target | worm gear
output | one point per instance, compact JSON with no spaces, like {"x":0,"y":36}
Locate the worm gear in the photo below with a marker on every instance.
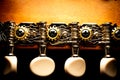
{"x":85,"y":33}
{"x":53,"y":33}
{"x":116,"y":33}
{"x":21,"y":33}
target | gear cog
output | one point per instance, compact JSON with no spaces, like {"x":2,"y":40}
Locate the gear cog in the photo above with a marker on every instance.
{"x":21,"y":33}
{"x":116,"y":33}
{"x":53,"y":33}
{"x":85,"y":33}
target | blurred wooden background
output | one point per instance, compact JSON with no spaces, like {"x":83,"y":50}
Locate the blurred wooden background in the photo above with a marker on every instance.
{"x":98,"y":11}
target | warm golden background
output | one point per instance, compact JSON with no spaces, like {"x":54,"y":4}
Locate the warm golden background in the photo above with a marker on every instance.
{"x":98,"y":11}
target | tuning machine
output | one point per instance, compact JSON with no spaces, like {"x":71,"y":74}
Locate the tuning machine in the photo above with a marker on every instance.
{"x":57,"y":31}
{"x":26,"y":32}
{"x":89,"y":33}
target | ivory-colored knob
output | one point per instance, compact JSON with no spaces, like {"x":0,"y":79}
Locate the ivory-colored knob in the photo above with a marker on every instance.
{"x":75,"y":66}
{"x":11,"y":64}
{"x":42,"y":66}
{"x":108,"y":67}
